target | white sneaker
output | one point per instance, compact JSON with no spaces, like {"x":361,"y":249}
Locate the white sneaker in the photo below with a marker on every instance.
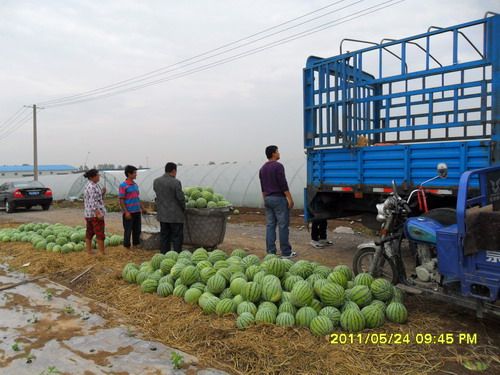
{"x":325,"y":242}
{"x":316,"y":244}
{"x":293,"y":254}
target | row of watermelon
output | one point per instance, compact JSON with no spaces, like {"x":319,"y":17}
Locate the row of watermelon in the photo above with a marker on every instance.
{"x":277,"y":291}
{"x":54,"y":237}
{"x":204,"y":197}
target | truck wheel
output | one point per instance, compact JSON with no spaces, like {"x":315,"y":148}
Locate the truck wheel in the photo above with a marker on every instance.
{"x":9,"y":207}
{"x":363,"y":259}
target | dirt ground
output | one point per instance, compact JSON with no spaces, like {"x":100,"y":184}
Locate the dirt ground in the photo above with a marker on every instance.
{"x":262,"y":349}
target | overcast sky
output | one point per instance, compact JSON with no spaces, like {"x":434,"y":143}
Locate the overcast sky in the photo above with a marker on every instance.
{"x":51,"y":49}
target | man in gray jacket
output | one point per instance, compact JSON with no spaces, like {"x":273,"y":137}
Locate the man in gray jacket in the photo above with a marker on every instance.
{"x":170,"y":205}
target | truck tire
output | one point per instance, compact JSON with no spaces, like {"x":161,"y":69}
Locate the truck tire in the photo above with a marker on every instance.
{"x":365,"y":256}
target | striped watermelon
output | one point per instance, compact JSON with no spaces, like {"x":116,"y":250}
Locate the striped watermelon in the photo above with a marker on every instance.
{"x":268,"y":305}
{"x":250,"y":260}
{"x":397,"y":295}
{"x":276,"y":267}
{"x":238,"y":299}
{"x":259,"y":276}
{"x":236,"y":268}
{"x":374,"y":316}
{"x":226,"y":293}
{"x":302,"y":268}
{"x":225,"y":306}
{"x":189,"y":275}
{"x":352,"y":320}
{"x":251,"y":271}
{"x":166,"y":265}
{"x":363,"y":278}
{"x":149,"y":286}
{"x":318,"y":285}
{"x":332,"y":295}
{"x":180,"y":290}
{"x":167,"y":279}
{"x":199,"y":255}
{"x":321,"y":270}
{"x":304,"y":316}
{"x":248,"y":307}
{"x":221,"y":264}
{"x":288,"y":263}
{"x":156,"y":260}
{"x":381,"y":305}
{"x":271,"y":288}
{"x":203,"y":264}
{"x":332,"y":313}
{"x":185,"y":254}
{"x":316,"y":305}
{"x":199,"y":286}
{"x":302,"y":294}
{"x":313,"y":278}
{"x":210,"y":304}
{"x":345,"y":270}
{"x":361,"y":295}
{"x":240,"y":253}
{"x":252,"y":291}
{"x":288,"y":308}
{"x":349,"y":305}
{"x":350,"y":284}
{"x":207,"y":273}
{"x":396,"y":312}
{"x":238,"y":275}
{"x":290,"y":282}
{"x":192,"y":295}
{"x":177,"y":269}
{"x":216,"y":255}
{"x":265,"y":316}
{"x":237,"y":285}
{"x":285,"y":319}
{"x":245,"y":320}
{"x":225,"y":273}
{"x":321,"y":326}
{"x":286,"y":297}
{"x":270,"y":256}
{"x":141,"y":276}
{"x":216,"y":284}
{"x":164,"y":289}
{"x":382,"y":289}
{"x":338,"y":277}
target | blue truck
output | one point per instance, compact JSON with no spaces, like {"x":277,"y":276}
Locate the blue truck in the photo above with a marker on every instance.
{"x":395,"y":109}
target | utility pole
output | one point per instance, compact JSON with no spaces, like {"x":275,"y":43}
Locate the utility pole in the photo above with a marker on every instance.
{"x":35,"y":146}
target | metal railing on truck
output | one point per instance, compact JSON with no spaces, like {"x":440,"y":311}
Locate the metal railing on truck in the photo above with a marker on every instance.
{"x":442,"y":85}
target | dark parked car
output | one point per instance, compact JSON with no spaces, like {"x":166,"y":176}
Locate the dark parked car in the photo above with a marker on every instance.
{"x":24,"y":194}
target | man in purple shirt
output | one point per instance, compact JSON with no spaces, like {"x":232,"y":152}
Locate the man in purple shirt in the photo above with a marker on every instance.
{"x":277,"y":201}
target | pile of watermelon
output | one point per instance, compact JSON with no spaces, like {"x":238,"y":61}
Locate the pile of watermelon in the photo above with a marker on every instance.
{"x":274,"y":291}
{"x":56,"y":237}
{"x":204,"y":197}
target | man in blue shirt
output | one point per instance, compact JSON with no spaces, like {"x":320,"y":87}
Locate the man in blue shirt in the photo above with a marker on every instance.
{"x":128,"y":194}
{"x":278,"y":202}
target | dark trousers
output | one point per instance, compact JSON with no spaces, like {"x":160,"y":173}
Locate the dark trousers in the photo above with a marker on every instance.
{"x":171,"y":233}
{"x":318,"y":230}
{"x":132,"y":227}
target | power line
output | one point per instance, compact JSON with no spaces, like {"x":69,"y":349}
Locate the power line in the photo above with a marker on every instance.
{"x":12,"y":118}
{"x":330,"y":24}
{"x":164,"y":70}
{"x":17,"y":126}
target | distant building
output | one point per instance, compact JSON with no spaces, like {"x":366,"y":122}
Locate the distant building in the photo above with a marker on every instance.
{"x":25,"y":170}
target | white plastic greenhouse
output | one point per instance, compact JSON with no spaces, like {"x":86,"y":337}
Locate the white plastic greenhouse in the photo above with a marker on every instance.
{"x":238,"y":182}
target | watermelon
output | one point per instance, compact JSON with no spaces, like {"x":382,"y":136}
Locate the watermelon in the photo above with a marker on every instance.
{"x":268,"y":305}
{"x":321,"y":326}
{"x":363,"y":279}
{"x":216,"y":284}
{"x":251,"y":291}
{"x":345,"y":270}
{"x":210,"y":305}
{"x":141,"y":276}
{"x":302,"y":294}
{"x":276,"y":267}
{"x":323,"y":271}
{"x":239,"y":253}
{"x":207,"y":273}
{"x":271,"y":288}
{"x":318,"y":285}
{"x":192,"y":295}
{"x":265,"y":316}
{"x":248,"y":307}
{"x":332,"y":295}
{"x":245,"y":320}
{"x":166,"y":265}
{"x":381,"y":305}
{"x":226,"y":293}
{"x":157,"y":275}
{"x":259,"y":276}
{"x":352,"y":320}
{"x":189,"y":275}
{"x":374,"y":316}
{"x":172,"y":255}
{"x":216,"y":255}
{"x":304,"y":316}
{"x":338,"y":277}
{"x":316,"y":305}
{"x":290,"y":282}
{"x":164,"y":289}
{"x":313,"y":278}
{"x":251,"y":271}
{"x":167,"y":279}
{"x":382,"y":289}
{"x":149,"y":286}
{"x":396,"y":312}
{"x":349,"y":305}
{"x":285,"y":319}
{"x":288,"y":308}
{"x":225,"y":306}
{"x":250,"y":260}
{"x":361,"y":295}
{"x":238,"y":299}
{"x":332,"y":313}
{"x":225,"y":273}
{"x":237,"y":285}
{"x":156,"y":260}
{"x":397,"y":295}
{"x":302,"y":268}
{"x":180,"y":290}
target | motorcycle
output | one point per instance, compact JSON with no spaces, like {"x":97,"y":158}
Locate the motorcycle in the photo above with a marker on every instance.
{"x":441,"y":267}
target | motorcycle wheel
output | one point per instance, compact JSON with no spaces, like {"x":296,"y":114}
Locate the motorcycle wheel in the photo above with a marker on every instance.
{"x":364,"y":257}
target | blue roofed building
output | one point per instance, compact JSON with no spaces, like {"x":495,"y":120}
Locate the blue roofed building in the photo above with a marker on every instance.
{"x":26,"y":170}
